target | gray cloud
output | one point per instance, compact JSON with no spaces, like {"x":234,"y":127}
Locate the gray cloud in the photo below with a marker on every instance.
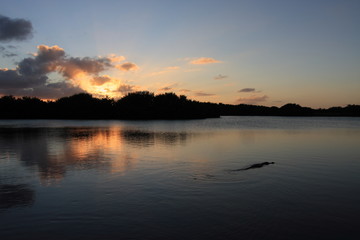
{"x":54,"y":59}
{"x":14,"y":29}
{"x":165,"y":89}
{"x":6,"y":53}
{"x":247,"y":90}
{"x":46,"y":60}
{"x":48,"y":91}
{"x":220,"y":77}
{"x":10,"y":55}
{"x":12,"y":82}
{"x":202,"y":94}
{"x":54,"y":90}
{"x":168,"y":87}
{"x":74,"y":66}
{"x":128,"y":66}
{"x":125,"y":88}
{"x":10,"y":79}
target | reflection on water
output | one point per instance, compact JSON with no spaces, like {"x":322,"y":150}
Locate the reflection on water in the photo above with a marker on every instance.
{"x":15,"y":195}
{"x":173,"y":179}
{"x":143,"y":139}
{"x":53,"y":150}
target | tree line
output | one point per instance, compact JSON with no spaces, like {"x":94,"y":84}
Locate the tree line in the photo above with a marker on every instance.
{"x":147,"y":105}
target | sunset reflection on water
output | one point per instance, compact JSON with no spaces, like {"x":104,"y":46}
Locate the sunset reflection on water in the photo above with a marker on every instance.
{"x":55,"y":150}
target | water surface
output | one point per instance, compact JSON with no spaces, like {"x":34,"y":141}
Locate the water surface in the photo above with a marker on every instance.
{"x":174,"y":179}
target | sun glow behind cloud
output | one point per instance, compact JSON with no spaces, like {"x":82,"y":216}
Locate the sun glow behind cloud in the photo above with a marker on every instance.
{"x":87,"y":83}
{"x":32,"y":75}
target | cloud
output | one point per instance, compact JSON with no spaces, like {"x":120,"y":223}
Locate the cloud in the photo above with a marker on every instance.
{"x":165,"y":89}
{"x":247,"y":90}
{"x":193,"y":70}
{"x":18,"y":85}
{"x":6,"y":53}
{"x":46,"y":60}
{"x":185,"y":90}
{"x":168,"y":87}
{"x":202,"y":94}
{"x":31,"y":74}
{"x":219,"y":77}
{"x":9,"y":54}
{"x":167,"y":69}
{"x":11,"y":79}
{"x":14,"y":29}
{"x":252,"y":99}
{"x":54,"y":59}
{"x":158,"y":73}
{"x":128,"y":66}
{"x":114,"y":58}
{"x":72,"y":67}
{"x":172,"y":68}
{"x":51,"y":91}
{"x":204,"y":60}
{"x":125,"y":88}
{"x":100,"y":80}
{"x":47,"y":54}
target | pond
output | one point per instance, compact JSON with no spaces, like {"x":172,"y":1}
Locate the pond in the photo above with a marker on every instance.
{"x":67,"y":179}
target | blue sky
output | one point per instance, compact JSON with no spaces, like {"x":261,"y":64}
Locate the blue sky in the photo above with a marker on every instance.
{"x":306,"y":52}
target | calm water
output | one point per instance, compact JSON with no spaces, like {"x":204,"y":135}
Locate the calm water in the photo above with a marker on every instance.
{"x":173,"y":179}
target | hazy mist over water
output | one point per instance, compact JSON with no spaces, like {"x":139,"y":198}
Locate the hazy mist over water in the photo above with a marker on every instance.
{"x":175,"y":180}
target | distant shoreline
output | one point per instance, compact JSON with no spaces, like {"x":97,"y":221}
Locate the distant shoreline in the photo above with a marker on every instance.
{"x":148,"y":106}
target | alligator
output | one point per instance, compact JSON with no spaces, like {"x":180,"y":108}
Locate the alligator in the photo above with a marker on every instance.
{"x":256,"y":165}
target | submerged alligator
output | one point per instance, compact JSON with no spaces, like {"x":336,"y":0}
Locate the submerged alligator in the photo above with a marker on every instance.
{"x":256,"y":165}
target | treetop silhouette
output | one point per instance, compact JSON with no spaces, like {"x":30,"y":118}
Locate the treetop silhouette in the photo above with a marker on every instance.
{"x":147,"y":105}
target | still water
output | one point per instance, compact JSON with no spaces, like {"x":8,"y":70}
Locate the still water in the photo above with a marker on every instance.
{"x":176,"y":179}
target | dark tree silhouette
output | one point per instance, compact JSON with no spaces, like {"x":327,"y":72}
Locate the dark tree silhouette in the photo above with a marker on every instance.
{"x":147,"y":105}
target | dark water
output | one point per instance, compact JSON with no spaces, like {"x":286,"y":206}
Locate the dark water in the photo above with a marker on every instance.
{"x":173,"y":179}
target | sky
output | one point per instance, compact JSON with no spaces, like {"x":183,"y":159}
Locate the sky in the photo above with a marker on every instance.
{"x":254,"y":52}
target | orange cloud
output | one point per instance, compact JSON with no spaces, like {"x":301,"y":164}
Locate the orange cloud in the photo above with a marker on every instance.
{"x":252,"y":99}
{"x":185,"y":90}
{"x":114,"y":58}
{"x":204,"y":60}
{"x":100,"y":80}
{"x":158,"y":73}
{"x":173,"y":68}
{"x":46,"y":53}
{"x":167,"y":69}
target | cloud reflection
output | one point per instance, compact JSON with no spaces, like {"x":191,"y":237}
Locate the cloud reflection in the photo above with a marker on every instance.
{"x":140,"y":138}
{"x":55,"y":151}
